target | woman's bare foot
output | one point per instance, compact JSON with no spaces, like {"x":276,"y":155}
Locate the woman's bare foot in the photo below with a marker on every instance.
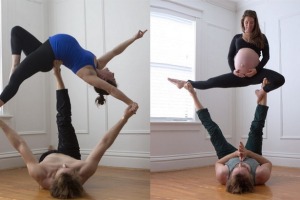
{"x":178,"y":83}
{"x":188,"y":86}
{"x":261,"y":94}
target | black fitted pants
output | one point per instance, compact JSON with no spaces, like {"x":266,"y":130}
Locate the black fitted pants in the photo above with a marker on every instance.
{"x":67,"y":140}
{"x":39,"y":58}
{"x":230,"y":80}
{"x":222,"y":147}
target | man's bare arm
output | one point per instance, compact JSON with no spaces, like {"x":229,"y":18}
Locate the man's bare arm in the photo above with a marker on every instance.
{"x":94,"y":158}
{"x":20,"y":145}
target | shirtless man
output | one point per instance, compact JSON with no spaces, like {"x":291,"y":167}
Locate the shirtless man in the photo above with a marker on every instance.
{"x":61,"y":171}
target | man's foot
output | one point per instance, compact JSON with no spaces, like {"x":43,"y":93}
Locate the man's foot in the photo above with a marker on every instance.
{"x":178,"y":83}
{"x":261,"y":94}
{"x":56,"y":67}
{"x":56,"y":70}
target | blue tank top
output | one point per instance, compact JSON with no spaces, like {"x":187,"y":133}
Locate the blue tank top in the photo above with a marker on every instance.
{"x":250,"y":161}
{"x":67,"y":49}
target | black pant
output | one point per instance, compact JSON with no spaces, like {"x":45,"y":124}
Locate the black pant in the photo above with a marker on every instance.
{"x":222,"y":147}
{"x":39,"y":57}
{"x":229,"y":80}
{"x":67,"y":140}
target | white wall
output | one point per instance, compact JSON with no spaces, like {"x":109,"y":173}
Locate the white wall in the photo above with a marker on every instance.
{"x":179,"y":146}
{"x":99,"y":25}
{"x":100,"y":28}
{"x":27,"y":111}
{"x":183,"y":145}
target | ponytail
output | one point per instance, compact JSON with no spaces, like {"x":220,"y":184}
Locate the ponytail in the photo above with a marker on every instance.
{"x":100,"y":100}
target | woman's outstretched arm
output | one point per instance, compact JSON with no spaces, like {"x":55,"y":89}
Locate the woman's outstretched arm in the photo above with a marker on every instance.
{"x":104,"y":59}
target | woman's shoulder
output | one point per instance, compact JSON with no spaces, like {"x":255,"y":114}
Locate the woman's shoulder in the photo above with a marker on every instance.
{"x":264,"y":36}
{"x":239,"y":35}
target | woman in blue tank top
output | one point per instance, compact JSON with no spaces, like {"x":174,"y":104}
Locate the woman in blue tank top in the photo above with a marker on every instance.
{"x":240,"y":169}
{"x":63,"y":49}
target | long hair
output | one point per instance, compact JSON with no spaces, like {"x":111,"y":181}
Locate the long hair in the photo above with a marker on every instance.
{"x":240,"y":184}
{"x":100,"y":100}
{"x":256,"y":36}
{"x":66,"y":186}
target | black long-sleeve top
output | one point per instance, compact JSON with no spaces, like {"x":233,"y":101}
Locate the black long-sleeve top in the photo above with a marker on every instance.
{"x":238,"y":42}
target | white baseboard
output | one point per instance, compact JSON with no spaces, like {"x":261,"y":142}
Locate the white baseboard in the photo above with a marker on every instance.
{"x":142,"y":160}
{"x":283,"y":159}
{"x":126,"y":159}
{"x":185,"y":161}
{"x":12,"y":160}
{"x":182,"y":161}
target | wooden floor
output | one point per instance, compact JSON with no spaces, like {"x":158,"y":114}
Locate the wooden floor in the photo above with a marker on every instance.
{"x":106,"y":184}
{"x":126,"y":184}
{"x":200,"y":183}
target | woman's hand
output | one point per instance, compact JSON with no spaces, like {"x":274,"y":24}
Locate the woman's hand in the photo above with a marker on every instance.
{"x":134,"y":107}
{"x":251,"y":72}
{"x":238,"y":73}
{"x":130,"y":110}
{"x":140,"y":34}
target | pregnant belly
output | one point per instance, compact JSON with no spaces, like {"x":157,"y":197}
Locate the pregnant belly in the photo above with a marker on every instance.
{"x":246,"y":59}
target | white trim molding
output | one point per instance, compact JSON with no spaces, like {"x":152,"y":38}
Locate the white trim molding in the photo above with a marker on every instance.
{"x":182,"y":161}
{"x":283,"y":159}
{"x":135,"y":132}
{"x":128,"y":159}
{"x":12,"y":159}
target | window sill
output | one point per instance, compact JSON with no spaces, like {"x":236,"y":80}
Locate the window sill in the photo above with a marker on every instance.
{"x":175,"y":126}
{"x":5,"y":116}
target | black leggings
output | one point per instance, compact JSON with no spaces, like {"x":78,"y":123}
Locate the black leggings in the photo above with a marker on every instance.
{"x":39,"y":58}
{"x":230,"y":80}
{"x":67,"y":140}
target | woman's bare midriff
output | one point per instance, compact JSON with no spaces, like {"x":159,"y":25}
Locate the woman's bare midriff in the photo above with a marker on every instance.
{"x":246,"y":59}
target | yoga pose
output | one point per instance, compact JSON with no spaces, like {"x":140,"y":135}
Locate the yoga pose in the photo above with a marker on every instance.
{"x":61,"y":171}
{"x":243,"y":58}
{"x":239,"y":169}
{"x":65,"y":48}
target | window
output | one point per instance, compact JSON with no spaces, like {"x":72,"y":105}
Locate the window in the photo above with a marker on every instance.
{"x":172,"y":54}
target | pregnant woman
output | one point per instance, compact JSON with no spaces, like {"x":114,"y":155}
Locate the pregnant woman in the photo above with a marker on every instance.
{"x":243,"y":58}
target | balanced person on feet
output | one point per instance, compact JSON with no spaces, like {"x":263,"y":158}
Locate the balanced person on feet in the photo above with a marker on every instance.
{"x":65,"y":48}
{"x":244,"y":61}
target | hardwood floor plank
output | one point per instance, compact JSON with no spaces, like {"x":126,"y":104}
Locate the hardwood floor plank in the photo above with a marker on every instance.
{"x":200,"y":183}
{"x":106,"y":184}
{"x":127,"y":184}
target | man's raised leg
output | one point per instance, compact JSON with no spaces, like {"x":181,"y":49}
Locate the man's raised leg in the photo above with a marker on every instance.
{"x":217,"y":139}
{"x":255,"y":138}
{"x":68,"y":143}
